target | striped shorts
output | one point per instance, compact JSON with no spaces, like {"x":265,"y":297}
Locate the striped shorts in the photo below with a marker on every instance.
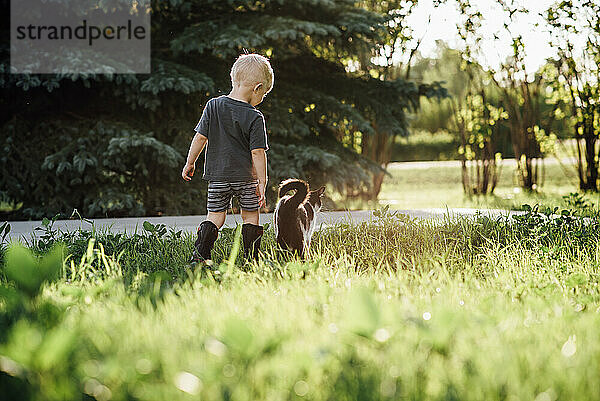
{"x":220,"y":195}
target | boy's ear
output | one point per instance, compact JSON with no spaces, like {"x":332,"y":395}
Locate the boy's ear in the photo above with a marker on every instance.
{"x":321,"y":191}
{"x":258,"y":85}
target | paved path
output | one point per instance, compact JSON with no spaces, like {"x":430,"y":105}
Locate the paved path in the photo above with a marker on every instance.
{"x":25,"y":229}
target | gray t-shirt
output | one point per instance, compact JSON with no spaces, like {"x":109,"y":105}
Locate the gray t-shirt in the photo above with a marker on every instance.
{"x":234,"y":128}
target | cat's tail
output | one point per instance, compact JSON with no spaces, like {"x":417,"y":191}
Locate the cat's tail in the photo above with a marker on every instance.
{"x":301,"y":195}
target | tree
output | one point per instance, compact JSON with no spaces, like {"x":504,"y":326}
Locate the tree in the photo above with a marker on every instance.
{"x":521,"y":90}
{"x":114,"y":144}
{"x":476,"y":122}
{"x":475,"y":117}
{"x":381,"y":62}
{"x":104,"y":144}
{"x":445,"y":66}
{"x":578,"y":70}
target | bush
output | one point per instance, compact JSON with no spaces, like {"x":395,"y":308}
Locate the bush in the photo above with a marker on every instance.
{"x":423,"y":146}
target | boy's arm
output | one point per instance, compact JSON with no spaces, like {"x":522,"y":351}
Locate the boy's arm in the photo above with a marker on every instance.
{"x":259,"y":161}
{"x":196,"y":148}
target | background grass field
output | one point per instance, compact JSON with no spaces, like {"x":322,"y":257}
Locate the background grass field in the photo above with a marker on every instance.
{"x":438,"y":185}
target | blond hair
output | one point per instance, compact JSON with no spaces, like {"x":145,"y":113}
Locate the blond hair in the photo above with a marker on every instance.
{"x":252,"y":68}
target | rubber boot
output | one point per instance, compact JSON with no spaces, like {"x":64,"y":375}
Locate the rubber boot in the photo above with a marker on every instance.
{"x":251,"y":235}
{"x":207,"y":235}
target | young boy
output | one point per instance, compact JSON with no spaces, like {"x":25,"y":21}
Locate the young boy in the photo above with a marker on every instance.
{"x":235,"y":136}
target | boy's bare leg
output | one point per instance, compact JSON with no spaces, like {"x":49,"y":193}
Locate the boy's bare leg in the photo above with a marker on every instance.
{"x":250,"y":216}
{"x":217,"y":218}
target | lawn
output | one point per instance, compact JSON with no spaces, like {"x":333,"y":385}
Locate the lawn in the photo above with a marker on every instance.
{"x":385,"y":310}
{"x":438,"y":185}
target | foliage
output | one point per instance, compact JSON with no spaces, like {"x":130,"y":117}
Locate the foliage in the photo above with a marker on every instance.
{"x":424,"y":146}
{"x":545,"y":227}
{"x":460,"y":76}
{"x":100,"y":170}
{"x":476,"y":122}
{"x":29,"y":274}
{"x":113,"y":145}
{"x":575,"y":78}
{"x":530,"y":121}
{"x":381,"y":62}
{"x":474,"y":117}
{"x":4,"y":231}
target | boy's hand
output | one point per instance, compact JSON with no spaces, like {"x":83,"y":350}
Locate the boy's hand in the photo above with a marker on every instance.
{"x":260,"y":191}
{"x":188,"y":172}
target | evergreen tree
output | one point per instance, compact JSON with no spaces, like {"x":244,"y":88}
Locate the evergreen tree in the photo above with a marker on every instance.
{"x":115,"y":144}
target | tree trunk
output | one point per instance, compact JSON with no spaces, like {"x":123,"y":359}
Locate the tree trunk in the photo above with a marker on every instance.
{"x":377,"y":182}
{"x":378,"y":148}
{"x":590,"y":181}
{"x":465,"y":177}
{"x":587,"y":164}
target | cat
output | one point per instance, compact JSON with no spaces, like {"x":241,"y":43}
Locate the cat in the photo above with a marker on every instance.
{"x":295,"y":215}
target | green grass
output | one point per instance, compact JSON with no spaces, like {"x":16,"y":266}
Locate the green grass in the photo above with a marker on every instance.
{"x":386,"y":310}
{"x":440,"y":187}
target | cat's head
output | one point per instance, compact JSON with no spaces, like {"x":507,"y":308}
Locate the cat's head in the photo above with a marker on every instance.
{"x":314,"y":198}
